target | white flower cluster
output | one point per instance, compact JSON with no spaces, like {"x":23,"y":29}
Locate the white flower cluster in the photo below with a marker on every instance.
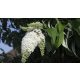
{"x":30,"y":41}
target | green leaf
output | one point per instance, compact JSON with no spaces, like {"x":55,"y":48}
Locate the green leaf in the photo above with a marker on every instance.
{"x":56,"y":38}
{"x":56,"y":34}
{"x":59,"y":39}
{"x":52,"y":32}
{"x":59,"y":26}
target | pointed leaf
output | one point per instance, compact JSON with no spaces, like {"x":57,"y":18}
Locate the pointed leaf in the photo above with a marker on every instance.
{"x":59,"y":39}
{"x":59,"y":26}
{"x":52,"y":32}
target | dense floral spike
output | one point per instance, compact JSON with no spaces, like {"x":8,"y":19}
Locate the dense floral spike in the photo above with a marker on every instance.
{"x":31,"y":40}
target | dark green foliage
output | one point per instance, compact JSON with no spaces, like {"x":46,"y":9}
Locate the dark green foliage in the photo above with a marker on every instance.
{"x":55,"y":31}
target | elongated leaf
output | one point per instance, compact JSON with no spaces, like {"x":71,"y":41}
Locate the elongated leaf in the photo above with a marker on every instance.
{"x":59,"y":26}
{"x":59,"y":39}
{"x":73,"y":49}
{"x":52,"y":32}
{"x":65,"y":44}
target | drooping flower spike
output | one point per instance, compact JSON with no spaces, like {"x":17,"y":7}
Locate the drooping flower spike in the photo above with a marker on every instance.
{"x":33,"y":38}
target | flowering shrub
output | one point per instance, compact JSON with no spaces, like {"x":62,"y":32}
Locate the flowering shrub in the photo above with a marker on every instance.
{"x":61,"y":39}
